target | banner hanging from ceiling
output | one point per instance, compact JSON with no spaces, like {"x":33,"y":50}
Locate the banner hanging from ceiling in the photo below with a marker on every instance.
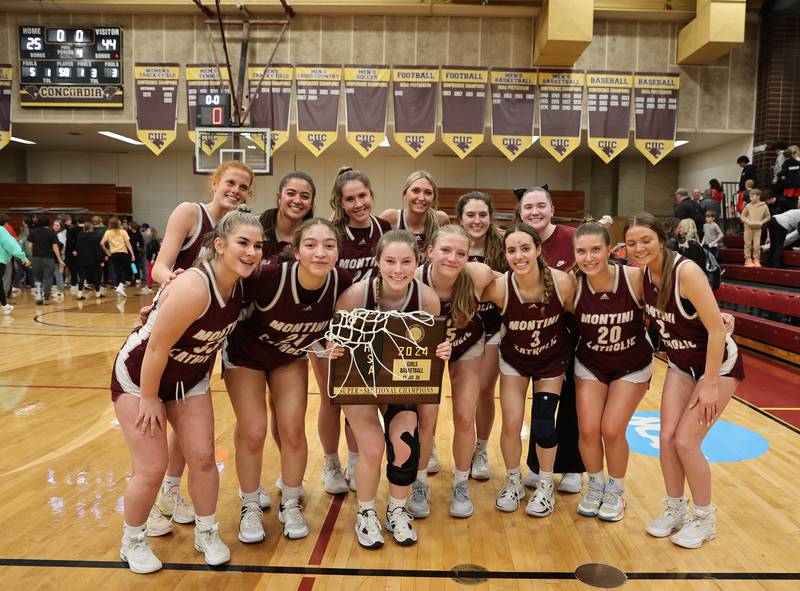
{"x":270,"y":89}
{"x":608,"y":104}
{"x":156,"y":104}
{"x":656,"y":104}
{"x":560,"y":109}
{"x":513,"y":102}
{"x":463,"y":108}
{"x":205,"y":81}
{"x":415,"y":92}
{"x":366,"y":97}
{"x":318,"y":106}
{"x":6,"y":77}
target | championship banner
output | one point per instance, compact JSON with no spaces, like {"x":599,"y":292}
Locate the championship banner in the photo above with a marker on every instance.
{"x":608,"y":96}
{"x":203,"y":80}
{"x":270,"y":102}
{"x":656,"y":97}
{"x":156,"y":104}
{"x":6,"y":76}
{"x":560,"y":108}
{"x":366,"y":97}
{"x":415,"y":97}
{"x":513,"y":101}
{"x":463,"y":106}
{"x":318,"y":106}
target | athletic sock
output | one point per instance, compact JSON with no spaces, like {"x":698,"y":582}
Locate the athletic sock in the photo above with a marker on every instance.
{"x":460,"y":476}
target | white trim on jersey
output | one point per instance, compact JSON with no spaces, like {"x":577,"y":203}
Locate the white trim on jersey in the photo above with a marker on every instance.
{"x":680,"y":261}
{"x":295,"y":282}
{"x":373,"y":223}
{"x":555,"y":288}
{"x":616,"y":282}
{"x":284,"y":267}
{"x":626,"y":271}
{"x":505,"y":297}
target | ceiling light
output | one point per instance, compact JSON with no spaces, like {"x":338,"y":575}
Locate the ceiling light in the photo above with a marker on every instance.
{"x":19,"y":140}
{"x":121,"y":138}
{"x":679,"y":143}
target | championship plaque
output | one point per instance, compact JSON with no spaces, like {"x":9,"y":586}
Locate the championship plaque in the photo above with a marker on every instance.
{"x":388,"y":361}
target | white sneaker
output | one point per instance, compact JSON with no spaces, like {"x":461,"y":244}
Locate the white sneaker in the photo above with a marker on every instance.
{"x":509,"y":496}
{"x":399,"y":523}
{"x":368,"y":529}
{"x":263,"y":498}
{"x":418,"y":505}
{"x":332,"y":478}
{"x":172,"y":504}
{"x":7,"y":309}
{"x":157,"y":524}
{"x":15,"y":291}
{"x":251,"y":530}
{"x":702,"y":527}
{"x":290,"y":515}
{"x":350,"y":475}
{"x":531,"y":479}
{"x":209,"y":543}
{"x":121,"y":290}
{"x":590,"y":504}
{"x":676,"y":512}
{"x":543,"y":500}
{"x":73,"y":289}
{"x":613,"y":507}
{"x":480,"y":465}
{"x":58,"y":296}
{"x":433,"y":463}
{"x":135,"y":550}
{"x":460,"y":501}
{"x":571,"y":482}
{"x":146,"y":290}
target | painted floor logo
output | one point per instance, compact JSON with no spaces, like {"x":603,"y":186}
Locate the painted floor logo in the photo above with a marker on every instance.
{"x":725,"y":442}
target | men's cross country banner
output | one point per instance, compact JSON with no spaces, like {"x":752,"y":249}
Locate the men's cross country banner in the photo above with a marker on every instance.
{"x":318,"y":106}
{"x":204,"y":82}
{"x":513,"y":101}
{"x":560,"y":108}
{"x":156,"y":104}
{"x":270,"y":101}
{"x":656,"y":100}
{"x":463,"y":106}
{"x":415,"y":97}
{"x":6,"y":76}
{"x":608,"y":102}
{"x":366,"y":96}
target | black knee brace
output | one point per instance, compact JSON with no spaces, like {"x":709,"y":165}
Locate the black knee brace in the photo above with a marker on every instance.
{"x":406,"y":474}
{"x":544,"y":419}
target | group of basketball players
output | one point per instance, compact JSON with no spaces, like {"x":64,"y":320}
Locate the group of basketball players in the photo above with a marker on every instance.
{"x":539,"y":302}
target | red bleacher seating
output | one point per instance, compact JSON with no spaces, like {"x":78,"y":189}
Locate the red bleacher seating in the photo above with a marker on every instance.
{"x":791,"y":258}
{"x":782,"y":277}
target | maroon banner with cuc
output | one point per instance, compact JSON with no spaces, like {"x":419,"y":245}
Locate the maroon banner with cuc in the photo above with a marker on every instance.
{"x":6,"y":76}
{"x":415,"y":91}
{"x":318,"y":106}
{"x":156,"y":104}
{"x":608,"y":103}
{"x":560,"y":109}
{"x":463,"y":107}
{"x":270,"y":101}
{"x":513,"y":102}
{"x":366,"y":96}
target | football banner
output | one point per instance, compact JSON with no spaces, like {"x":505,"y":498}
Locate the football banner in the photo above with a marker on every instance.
{"x":656,"y":103}
{"x":203,"y":80}
{"x":608,"y":103}
{"x":513,"y":102}
{"x":6,"y":76}
{"x":366,"y":97}
{"x":560,"y":109}
{"x":270,"y":101}
{"x":463,"y":108}
{"x":156,"y":104}
{"x":415,"y":93}
{"x":318,"y":106}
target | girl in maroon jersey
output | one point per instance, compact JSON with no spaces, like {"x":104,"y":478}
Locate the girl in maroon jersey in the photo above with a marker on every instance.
{"x":704,"y":370}
{"x":295,"y":204}
{"x":475,"y":213}
{"x":162,"y":372}
{"x":291,"y":304}
{"x":231,"y":185}
{"x":613,"y":365}
{"x":393,"y":288}
{"x":535,"y":346}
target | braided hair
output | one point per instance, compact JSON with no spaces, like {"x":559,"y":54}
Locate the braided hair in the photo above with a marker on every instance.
{"x":544,"y":270}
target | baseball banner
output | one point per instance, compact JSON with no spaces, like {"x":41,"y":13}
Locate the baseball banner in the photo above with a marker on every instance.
{"x":6,"y":76}
{"x":656,"y":100}
{"x":204,"y":80}
{"x":513,"y":101}
{"x":156,"y":104}
{"x":608,"y":103}
{"x":318,"y":106}
{"x":270,"y":101}
{"x":366,"y":97}
{"x":560,"y":109}
{"x":463,"y":107}
{"x":415,"y":97}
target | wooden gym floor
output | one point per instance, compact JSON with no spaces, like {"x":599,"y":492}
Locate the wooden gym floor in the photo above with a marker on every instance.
{"x":63,"y":468}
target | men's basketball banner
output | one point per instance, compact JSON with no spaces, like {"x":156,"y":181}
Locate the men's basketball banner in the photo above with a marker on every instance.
{"x":656,"y":100}
{"x":6,"y":76}
{"x":318,"y":106}
{"x":608,"y":102}
{"x":270,"y":101}
{"x":560,"y":108}
{"x":463,"y":107}
{"x":513,"y":101}
{"x":366,"y":97}
{"x":156,"y":104}
{"x":204,"y":82}
{"x":415,"y":98}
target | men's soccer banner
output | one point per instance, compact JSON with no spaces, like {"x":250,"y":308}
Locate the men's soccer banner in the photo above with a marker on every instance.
{"x":366,"y":96}
{"x":156,"y":104}
{"x":6,"y":76}
{"x":656,"y":99}
{"x":318,"y":106}
{"x":415,"y":97}
{"x":513,"y":102}
{"x":204,"y":80}
{"x":608,"y":102}
{"x":560,"y":108}
{"x":270,"y":101}
{"x":463,"y":107}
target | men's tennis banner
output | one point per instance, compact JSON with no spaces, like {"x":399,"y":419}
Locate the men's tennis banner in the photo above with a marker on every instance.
{"x":205,"y":84}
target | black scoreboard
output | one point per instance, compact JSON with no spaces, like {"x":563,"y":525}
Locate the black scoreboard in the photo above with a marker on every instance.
{"x":70,"y":66}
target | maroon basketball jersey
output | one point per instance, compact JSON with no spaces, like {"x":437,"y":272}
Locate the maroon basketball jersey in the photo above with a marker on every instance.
{"x":357,"y":250}
{"x":191,"y":246}
{"x":488,"y":312}
{"x":558,"y":251}
{"x":402,"y":225}
{"x":461,"y":338}
{"x":192,"y":356}
{"x":535,"y":342}
{"x":272,"y":249}
{"x":412,"y":303}
{"x":611,"y":331}
{"x":278,"y":326}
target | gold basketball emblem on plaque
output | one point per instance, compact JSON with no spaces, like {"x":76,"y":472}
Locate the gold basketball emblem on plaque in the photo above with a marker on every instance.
{"x":416,"y":333}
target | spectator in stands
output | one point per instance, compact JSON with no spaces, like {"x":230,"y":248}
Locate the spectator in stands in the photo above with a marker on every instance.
{"x":697,"y":195}
{"x":687,"y":208}
{"x":712,"y":234}
{"x":781,"y":154}
{"x":716,"y":190}
{"x":783,"y":229}
{"x":754,"y":216}
{"x":748,"y":172}
{"x":689,"y":242}
{"x":709,"y":204}
{"x":744,"y":196}
{"x":776,"y":202}
{"x":790,"y":175}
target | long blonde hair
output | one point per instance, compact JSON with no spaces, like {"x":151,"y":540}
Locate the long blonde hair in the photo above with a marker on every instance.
{"x":688,"y":228}
{"x":431,"y":222}
{"x":464,"y":303}
{"x":544,"y":270}
{"x":648,"y":220}
{"x":241,"y":216}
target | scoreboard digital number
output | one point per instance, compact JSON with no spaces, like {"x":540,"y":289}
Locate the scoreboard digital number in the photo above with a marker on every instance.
{"x":70,"y":67}
{"x":213,"y":109}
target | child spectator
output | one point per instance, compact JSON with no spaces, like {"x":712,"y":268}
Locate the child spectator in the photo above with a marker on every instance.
{"x":744,"y":196}
{"x":712,"y":234}
{"x":754,"y":215}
